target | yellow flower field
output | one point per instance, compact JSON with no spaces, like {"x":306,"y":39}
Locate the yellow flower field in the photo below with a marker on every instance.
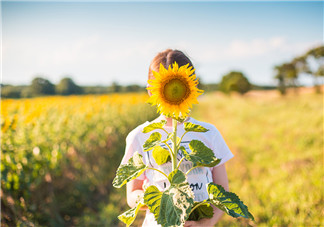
{"x":59,"y":154}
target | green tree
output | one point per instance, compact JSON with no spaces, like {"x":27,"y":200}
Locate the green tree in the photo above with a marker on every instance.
{"x":314,"y":57}
{"x":67,"y":87}
{"x":234,"y":81}
{"x":287,"y":75}
{"x":41,"y":86}
{"x":316,"y":54}
{"x":134,"y":88}
{"x":301,"y":64}
{"x":279,"y":75}
{"x":115,"y":87}
{"x":290,"y":73}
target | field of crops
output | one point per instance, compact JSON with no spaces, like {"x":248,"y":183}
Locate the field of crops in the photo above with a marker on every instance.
{"x":60,"y":154}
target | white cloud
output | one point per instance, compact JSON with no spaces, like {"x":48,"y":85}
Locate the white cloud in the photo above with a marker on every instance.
{"x":97,"y":59}
{"x":264,"y":47}
{"x":249,"y":49}
{"x":92,"y":59}
{"x":255,"y":47}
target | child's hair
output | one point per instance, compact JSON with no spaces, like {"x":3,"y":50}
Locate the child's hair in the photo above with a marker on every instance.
{"x":166,"y":58}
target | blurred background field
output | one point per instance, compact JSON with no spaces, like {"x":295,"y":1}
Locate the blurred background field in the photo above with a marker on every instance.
{"x":60,"y":154}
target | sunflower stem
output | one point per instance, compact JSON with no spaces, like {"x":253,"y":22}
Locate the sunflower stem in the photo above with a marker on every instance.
{"x":174,"y":141}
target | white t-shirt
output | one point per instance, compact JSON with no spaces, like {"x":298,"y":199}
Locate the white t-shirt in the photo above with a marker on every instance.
{"x":197,"y":178}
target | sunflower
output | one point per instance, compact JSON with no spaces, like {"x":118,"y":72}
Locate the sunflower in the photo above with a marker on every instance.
{"x":174,"y":90}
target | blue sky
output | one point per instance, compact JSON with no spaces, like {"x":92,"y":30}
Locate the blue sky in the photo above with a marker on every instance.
{"x":96,"y":43}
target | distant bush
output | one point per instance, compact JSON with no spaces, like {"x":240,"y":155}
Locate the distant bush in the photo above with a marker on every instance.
{"x":234,"y":81}
{"x":9,"y":91}
{"x":41,"y":86}
{"x":134,"y":88}
{"x":67,"y":87}
{"x":26,"y":92}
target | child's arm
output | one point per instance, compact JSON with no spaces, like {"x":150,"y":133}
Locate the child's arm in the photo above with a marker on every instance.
{"x":219,"y":177}
{"x":134,"y":192}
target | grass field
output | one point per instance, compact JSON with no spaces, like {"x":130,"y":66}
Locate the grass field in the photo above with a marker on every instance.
{"x":278,"y":146}
{"x":59,"y":155}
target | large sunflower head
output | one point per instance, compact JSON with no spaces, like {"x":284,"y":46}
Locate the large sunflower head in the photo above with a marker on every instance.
{"x":174,"y":90}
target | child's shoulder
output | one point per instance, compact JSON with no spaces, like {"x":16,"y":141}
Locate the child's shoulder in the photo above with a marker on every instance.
{"x":137,"y":131}
{"x":209,"y":126}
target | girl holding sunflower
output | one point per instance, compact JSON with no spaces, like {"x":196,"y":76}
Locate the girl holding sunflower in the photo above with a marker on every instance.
{"x":173,"y":88}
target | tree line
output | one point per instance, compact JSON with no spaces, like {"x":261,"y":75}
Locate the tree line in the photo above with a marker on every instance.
{"x":232,"y":81}
{"x":311,"y":64}
{"x":41,"y":87}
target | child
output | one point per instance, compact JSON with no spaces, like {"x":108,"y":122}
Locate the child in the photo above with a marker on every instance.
{"x":197,"y":178}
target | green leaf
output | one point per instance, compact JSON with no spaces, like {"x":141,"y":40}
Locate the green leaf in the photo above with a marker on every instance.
{"x":154,"y":140}
{"x":152,"y":199}
{"x":177,"y":177}
{"x":200,"y":155}
{"x":172,"y":207}
{"x":227,"y":201}
{"x":191,"y":127}
{"x":129,"y":216}
{"x":176,"y":204}
{"x":161,"y":155}
{"x":154,"y":126}
{"x":129,"y":171}
{"x":201,"y":210}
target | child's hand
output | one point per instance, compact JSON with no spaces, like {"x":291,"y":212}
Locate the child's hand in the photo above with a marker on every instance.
{"x":206,"y":221}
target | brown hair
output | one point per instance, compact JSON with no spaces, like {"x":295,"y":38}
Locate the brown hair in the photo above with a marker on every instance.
{"x":167,"y":58}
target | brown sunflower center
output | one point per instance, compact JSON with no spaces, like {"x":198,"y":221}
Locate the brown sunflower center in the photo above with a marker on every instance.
{"x":176,"y":90}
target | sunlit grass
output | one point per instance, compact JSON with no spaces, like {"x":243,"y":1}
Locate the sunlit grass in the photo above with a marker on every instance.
{"x":278,"y":165}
